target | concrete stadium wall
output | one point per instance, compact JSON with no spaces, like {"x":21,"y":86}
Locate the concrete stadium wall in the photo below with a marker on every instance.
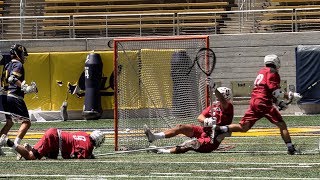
{"x":239,"y":57}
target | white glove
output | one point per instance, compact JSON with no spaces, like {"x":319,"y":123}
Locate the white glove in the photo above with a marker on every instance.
{"x":282,"y":105}
{"x":209,"y":122}
{"x":293,"y":95}
{"x":29,"y":89}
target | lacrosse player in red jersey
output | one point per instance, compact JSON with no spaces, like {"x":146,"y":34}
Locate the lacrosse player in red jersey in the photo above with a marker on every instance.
{"x":71,"y":145}
{"x":202,"y":139}
{"x":265,"y":94}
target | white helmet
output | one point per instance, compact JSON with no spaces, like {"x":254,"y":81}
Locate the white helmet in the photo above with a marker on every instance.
{"x":226,"y":92}
{"x":272,"y":59}
{"x":98,"y":137}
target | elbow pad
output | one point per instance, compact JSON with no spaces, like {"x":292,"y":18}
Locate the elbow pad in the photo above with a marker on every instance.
{"x":278,"y":94}
{"x":12,"y":79}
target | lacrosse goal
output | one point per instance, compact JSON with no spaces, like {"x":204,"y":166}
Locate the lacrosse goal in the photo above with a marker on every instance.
{"x":156,"y":84}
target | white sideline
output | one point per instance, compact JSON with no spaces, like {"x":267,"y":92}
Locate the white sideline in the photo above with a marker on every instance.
{"x":165,"y":162}
{"x":147,"y":176}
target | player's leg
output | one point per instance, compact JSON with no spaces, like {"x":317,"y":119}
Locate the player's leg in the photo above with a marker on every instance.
{"x":8,"y":125}
{"x":25,"y":151}
{"x":247,"y":121}
{"x":185,"y":129}
{"x":20,"y":108}
{"x":275,"y":117}
{"x":191,"y":144}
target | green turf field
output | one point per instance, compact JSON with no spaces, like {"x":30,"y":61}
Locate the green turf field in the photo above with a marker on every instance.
{"x":258,"y":154}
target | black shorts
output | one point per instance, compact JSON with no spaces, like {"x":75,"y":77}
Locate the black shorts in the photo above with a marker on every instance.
{"x":15,"y":105}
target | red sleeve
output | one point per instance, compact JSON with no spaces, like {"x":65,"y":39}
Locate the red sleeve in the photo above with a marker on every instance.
{"x":273,"y":81}
{"x":206,"y":112}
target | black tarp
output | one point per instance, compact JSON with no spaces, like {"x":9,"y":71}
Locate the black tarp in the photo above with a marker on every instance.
{"x":308,"y":72}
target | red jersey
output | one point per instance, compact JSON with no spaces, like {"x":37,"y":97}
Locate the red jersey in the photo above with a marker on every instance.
{"x":267,"y":81}
{"x":203,"y":134}
{"x":224,"y":116}
{"x":76,"y":145}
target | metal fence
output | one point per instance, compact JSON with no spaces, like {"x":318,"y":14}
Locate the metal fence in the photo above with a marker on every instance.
{"x":224,"y":22}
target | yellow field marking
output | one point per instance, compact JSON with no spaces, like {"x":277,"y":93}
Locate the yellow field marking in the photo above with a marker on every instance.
{"x":296,"y":131}
{"x":255,"y":132}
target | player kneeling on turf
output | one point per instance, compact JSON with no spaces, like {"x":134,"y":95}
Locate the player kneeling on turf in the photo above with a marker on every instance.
{"x":202,"y":137}
{"x":71,"y":145}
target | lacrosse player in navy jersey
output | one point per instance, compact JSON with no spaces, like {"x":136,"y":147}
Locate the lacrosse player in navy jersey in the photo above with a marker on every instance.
{"x":202,"y":138}
{"x":13,"y":83}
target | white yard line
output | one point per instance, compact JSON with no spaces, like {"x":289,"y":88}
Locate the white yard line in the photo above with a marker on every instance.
{"x":165,"y":162}
{"x":147,"y":176}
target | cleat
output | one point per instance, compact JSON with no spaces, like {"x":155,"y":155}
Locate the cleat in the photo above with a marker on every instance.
{"x":292,"y":150}
{"x":149,"y":134}
{"x":2,"y":153}
{"x":3,"y":140}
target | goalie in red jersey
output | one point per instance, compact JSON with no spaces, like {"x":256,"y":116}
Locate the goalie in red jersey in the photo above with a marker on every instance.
{"x":202,"y":137}
{"x":265,"y":94}
{"x":71,"y":145}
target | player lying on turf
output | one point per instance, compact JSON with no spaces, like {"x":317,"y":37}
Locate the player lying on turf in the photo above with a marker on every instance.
{"x":265,"y":94}
{"x":202,"y":139}
{"x":71,"y":145}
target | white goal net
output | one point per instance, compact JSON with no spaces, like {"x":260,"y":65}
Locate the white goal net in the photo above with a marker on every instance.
{"x":156,"y":85}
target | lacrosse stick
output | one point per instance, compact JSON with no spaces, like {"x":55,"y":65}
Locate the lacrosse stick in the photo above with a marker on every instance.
{"x":206,"y":61}
{"x":134,"y":150}
{"x":309,"y":88}
{"x":64,"y":106}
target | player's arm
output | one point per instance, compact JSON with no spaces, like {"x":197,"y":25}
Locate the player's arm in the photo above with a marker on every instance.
{"x":201,"y":118}
{"x":80,"y":153}
{"x":14,"y":77}
{"x":207,"y":121}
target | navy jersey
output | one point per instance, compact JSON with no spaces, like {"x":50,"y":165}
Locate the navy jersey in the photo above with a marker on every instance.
{"x":15,"y":68}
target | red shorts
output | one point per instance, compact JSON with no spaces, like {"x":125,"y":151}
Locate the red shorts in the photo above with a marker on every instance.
{"x":48,"y":145}
{"x":257,"y":110}
{"x":203,"y":136}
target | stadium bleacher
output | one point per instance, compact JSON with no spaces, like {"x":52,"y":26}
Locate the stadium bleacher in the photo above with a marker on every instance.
{"x":154,"y":23}
{"x":305,"y":17}
{"x":108,"y":18}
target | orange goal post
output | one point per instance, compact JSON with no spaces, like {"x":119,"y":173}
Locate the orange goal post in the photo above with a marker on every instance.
{"x":156,"y":85}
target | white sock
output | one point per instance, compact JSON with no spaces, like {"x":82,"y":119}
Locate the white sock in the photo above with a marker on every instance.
{"x":224,"y":128}
{"x":159,"y":135}
{"x":164,"y":151}
{"x":14,"y":147}
{"x":17,"y":141}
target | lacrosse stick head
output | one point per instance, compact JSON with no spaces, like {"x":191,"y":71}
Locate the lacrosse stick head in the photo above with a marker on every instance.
{"x":34,"y":86}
